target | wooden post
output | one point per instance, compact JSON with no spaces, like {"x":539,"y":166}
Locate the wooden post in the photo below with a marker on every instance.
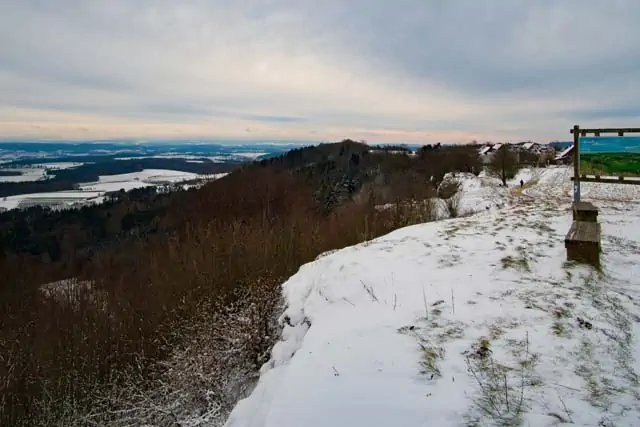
{"x":576,"y":163}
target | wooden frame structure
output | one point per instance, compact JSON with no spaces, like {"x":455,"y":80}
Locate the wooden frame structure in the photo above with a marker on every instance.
{"x":582,"y":242}
{"x":577,"y":177}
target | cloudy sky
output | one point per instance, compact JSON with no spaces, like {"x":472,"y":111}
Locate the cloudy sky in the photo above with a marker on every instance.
{"x":379,"y":70}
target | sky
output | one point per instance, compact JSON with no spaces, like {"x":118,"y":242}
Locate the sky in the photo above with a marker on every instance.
{"x":382,"y":71}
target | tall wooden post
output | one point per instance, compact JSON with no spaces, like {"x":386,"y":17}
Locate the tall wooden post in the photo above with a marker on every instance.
{"x":576,"y":163}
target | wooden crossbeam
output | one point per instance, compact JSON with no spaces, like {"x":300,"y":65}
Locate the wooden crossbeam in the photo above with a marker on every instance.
{"x":620,"y":180}
{"x":597,"y":132}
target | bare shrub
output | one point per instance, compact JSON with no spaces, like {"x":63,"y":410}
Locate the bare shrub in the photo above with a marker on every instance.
{"x":504,"y":164}
{"x":449,"y":191}
{"x":501,"y":396}
{"x":453,"y":205}
{"x":203,"y":378}
{"x":449,"y":188}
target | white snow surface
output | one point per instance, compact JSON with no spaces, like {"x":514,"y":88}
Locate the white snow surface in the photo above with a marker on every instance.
{"x":36,"y":171}
{"x":360,"y":322}
{"x":94,"y":191}
{"x":144,"y":178}
{"x":59,"y":165}
{"x":26,"y":174}
{"x":12,"y":202}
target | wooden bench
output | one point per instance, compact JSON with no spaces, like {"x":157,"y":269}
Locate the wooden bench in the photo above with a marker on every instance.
{"x":585,"y":211}
{"x":583,"y":242}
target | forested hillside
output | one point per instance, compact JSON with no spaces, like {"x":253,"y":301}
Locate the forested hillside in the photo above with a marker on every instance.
{"x":148,"y":328}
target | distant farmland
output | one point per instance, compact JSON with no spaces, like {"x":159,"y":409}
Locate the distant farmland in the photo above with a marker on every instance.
{"x":627,"y":164}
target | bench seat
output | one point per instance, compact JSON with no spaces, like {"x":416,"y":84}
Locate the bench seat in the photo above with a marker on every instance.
{"x":583,"y":242}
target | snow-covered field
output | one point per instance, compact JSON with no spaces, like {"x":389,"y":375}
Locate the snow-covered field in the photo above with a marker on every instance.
{"x":144,"y":178}
{"x":240,"y":155}
{"x":163,"y":156}
{"x":36,"y":171}
{"x":249,"y":154}
{"x":59,"y":165}
{"x":53,"y":198}
{"x":469,"y":321}
{"x":93,"y":192}
{"x":26,"y":174}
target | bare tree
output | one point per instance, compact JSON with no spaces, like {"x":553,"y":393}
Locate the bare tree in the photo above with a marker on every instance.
{"x":504,"y":164}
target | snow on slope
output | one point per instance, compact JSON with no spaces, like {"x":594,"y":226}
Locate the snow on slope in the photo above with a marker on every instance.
{"x":144,"y":178}
{"x":479,"y":193}
{"x":384,"y":333}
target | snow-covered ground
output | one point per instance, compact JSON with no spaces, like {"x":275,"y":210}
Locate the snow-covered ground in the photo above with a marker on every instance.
{"x":240,"y":155}
{"x":163,"y":156}
{"x":249,"y":154}
{"x":93,"y":192}
{"x":36,"y":171}
{"x":67,"y":198}
{"x":59,"y":165}
{"x":467,"y":321}
{"x":144,"y":178}
{"x":26,"y":174}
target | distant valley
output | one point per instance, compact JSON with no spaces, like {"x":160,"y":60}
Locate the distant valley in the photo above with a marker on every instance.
{"x":65,"y":174}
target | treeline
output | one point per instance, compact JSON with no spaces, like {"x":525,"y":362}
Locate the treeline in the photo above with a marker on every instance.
{"x":70,"y":236}
{"x":172,"y":311}
{"x":338,"y":171}
{"x":392,"y":147}
{"x":66,"y":179}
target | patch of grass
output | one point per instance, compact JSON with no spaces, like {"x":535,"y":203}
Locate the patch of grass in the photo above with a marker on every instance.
{"x":558,"y":329}
{"x":542,"y":227}
{"x":451,"y":332}
{"x":495,"y":332}
{"x":451,"y":231}
{"x":450,"y":260}
{"x":501,"y":396}
{"x":560,"y":312}
{"x":406,"y":329}
{"x":519,"y":263}
{"x":480,"y":350}
{"x":498,"y":328}
{"x":431,"y":356}
{"x":599,"y":389}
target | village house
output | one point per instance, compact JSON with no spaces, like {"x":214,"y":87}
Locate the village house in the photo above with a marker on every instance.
{"x":534,"y":148}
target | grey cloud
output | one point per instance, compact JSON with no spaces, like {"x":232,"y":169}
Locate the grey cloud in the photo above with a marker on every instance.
{"x":160,"y":59}
{"x":631,"y":112}
{"x":493,"y":45}
{"x":276,"y":119}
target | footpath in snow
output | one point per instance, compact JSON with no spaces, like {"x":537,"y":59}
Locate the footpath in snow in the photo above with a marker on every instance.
{"x":469,"y":321}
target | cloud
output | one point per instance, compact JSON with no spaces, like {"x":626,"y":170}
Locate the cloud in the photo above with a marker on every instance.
{"x":415,"y":70}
